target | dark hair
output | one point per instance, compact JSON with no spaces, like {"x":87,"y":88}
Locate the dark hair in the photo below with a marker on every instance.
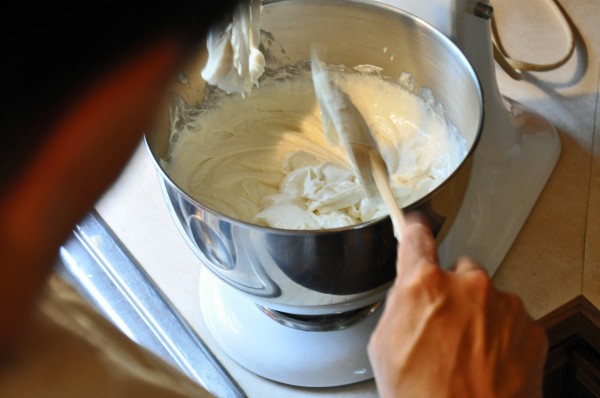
{"x":50,"y":52}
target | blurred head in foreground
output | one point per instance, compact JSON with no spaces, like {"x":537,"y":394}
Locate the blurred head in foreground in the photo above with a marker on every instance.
{"x":80,"y":85}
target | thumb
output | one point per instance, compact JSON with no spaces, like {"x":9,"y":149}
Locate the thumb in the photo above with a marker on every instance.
{"x":418,"y":247}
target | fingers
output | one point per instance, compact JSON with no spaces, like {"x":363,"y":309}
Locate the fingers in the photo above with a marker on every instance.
{"x":418,"y":247}
{"x":466,"y":264}
{"x":416,"y":217}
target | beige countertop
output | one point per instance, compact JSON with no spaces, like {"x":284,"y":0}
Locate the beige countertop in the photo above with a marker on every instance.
{"x":554,"y":259}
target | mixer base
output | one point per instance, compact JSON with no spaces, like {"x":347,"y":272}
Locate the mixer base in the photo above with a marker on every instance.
{"x":303,"y":358}
{"x":504,"y":187}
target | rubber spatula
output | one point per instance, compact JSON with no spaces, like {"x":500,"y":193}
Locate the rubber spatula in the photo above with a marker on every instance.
{"x":344,"y":125}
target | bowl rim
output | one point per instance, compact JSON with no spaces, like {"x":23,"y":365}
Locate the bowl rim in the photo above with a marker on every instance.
{"x":383,"y":219}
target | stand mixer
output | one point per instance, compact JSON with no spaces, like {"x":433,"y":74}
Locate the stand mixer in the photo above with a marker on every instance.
{"x":515,"y":157}
{"x":322,"y":342}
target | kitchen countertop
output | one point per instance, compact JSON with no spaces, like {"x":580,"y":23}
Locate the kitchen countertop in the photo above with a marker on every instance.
{"x":554,"y":259}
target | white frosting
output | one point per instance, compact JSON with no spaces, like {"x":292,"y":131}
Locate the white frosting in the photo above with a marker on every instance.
{"x":343,"y":125}
{"x":264,"y":159}
{"x":234,"y":61}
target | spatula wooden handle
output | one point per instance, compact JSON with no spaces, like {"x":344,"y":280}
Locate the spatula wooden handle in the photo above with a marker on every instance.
{"x":381,"y":177}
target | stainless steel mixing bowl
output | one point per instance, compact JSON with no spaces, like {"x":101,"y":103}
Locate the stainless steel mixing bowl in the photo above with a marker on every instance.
{"x":328,"y":271}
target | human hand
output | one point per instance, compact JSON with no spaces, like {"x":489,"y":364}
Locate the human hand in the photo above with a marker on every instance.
{"x":452,"y":333}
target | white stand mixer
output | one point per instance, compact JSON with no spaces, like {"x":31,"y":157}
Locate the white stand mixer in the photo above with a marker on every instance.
{"x":514,"y":159}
